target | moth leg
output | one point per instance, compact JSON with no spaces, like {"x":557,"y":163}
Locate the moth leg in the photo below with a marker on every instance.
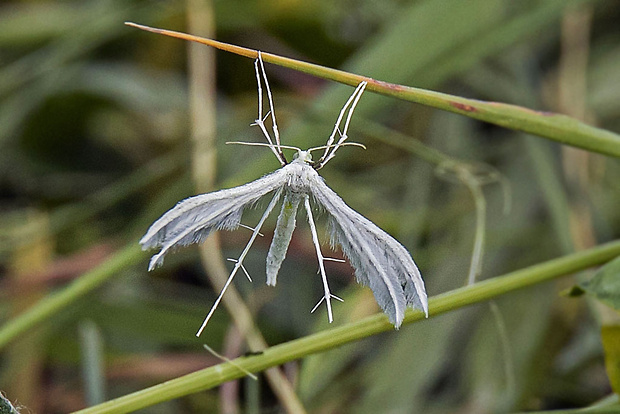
{"x":260,"y":120}
{"x":239,"y":261}
{"x":327,"y":297}
{"x":272,"y":111}
{"x":349,"y":106}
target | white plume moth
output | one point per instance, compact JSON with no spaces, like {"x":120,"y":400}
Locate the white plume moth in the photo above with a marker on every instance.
{"x":380,"y":261}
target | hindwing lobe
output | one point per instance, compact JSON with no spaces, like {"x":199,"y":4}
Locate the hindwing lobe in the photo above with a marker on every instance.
{"x":380,"y":261}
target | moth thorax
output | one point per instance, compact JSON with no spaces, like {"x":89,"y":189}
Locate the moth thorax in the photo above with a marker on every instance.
{"x":298,"y":176}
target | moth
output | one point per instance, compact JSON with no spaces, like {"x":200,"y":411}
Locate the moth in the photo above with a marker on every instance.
{"x":379,"y":261}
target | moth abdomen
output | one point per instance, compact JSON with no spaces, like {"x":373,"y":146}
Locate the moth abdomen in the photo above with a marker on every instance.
{"x":282,"y":235}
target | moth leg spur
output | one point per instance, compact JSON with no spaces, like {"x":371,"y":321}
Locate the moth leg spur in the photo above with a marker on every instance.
{"x":330,"y":150}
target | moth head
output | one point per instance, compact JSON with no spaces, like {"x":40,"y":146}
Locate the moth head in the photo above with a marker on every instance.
{"x":303,"y":156}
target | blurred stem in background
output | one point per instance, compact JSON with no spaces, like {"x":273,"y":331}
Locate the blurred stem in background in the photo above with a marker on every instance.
{"x":203,"y":134}
{"x":582,"y":169}
{"x":474,"y":177}
{"x":571,"y":100}
{"x":24,"y":360}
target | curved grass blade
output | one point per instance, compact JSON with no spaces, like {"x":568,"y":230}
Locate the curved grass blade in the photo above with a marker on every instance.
{"x":557,"y":127}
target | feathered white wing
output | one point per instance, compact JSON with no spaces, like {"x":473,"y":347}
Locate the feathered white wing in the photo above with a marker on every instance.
{"x":192,"y":219}
{"x":380,"y":261}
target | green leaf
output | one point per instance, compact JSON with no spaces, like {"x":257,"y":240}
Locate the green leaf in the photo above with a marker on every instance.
{"x":605,"y":285}
{"x":573,"y":292}
{"x":610,"y":335}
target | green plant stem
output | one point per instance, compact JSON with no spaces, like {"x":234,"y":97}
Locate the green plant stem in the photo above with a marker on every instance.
{"x":557,"y":127}
{"x":81,"y":286}
{"x":331,"y":338}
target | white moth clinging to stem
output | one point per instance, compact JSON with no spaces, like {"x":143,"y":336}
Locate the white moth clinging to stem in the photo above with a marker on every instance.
{"x":380,"y":261}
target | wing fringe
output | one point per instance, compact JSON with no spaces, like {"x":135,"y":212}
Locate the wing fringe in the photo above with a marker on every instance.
{"x":380,"y":261}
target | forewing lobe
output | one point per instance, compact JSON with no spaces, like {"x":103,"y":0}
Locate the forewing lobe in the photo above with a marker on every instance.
{"x":192,"y":219}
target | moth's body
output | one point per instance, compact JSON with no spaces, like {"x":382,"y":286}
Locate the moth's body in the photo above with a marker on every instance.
{"x":299,"y":174}
{"x":380,"y":261}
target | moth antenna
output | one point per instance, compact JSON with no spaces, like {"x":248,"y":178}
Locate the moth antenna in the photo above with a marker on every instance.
{"x":261,"y":144}
{"x":239,"y":261}
{"x":260,"y":120}
{"x":348,"y":109}
{"x":315,"y":239}
{"x":344,"y":144}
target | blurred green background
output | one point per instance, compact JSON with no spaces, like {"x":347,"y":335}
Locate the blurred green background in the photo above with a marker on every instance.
{"x":95,"y":144}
